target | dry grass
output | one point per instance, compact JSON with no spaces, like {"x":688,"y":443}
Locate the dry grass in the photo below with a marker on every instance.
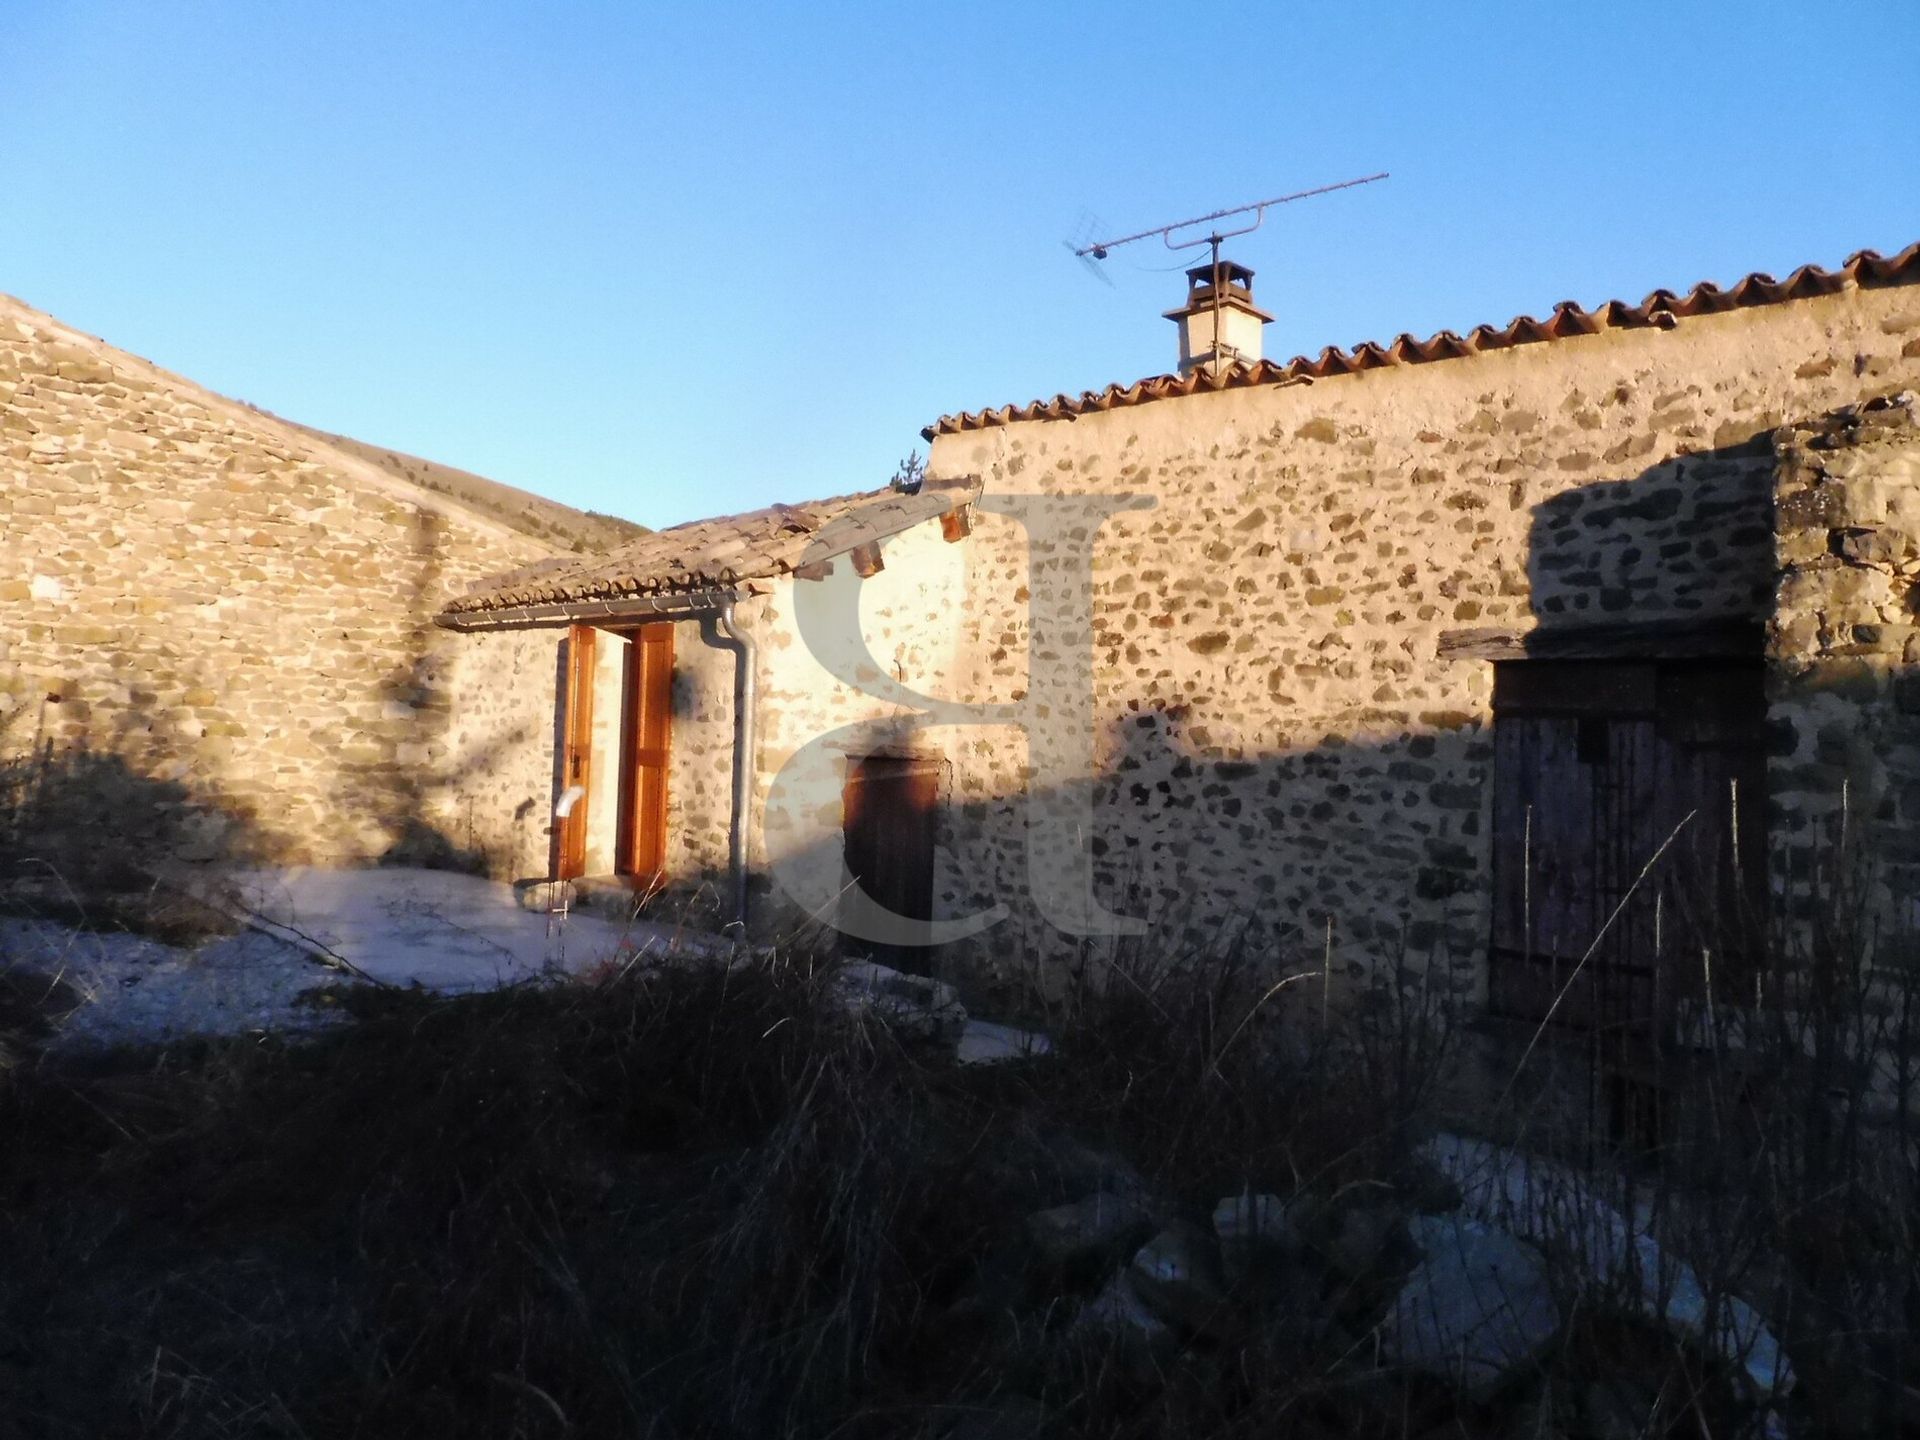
{"x":689,"y":1202}
{"x":701,"y":1202}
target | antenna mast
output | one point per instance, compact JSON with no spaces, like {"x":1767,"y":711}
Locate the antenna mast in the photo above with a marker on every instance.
{"x":1086,"y":254}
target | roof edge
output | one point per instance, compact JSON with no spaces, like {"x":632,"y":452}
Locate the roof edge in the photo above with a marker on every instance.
{"x":316,"y":446}
{"x":551,"y":601}
{"x":641,"y":609}
{"x":1864,"y":269}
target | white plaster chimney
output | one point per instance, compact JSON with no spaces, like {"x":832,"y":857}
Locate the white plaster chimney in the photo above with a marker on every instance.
{"x":1219,"y":325}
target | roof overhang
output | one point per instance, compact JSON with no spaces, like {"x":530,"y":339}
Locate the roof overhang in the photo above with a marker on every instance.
{"x":623,"y":610}
{"x":684,"y":592}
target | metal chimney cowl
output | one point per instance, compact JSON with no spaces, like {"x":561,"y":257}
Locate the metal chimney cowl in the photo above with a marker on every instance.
{"x":1219,"y":325}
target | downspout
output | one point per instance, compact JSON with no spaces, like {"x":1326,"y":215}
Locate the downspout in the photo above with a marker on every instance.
{"x":745,"y":728}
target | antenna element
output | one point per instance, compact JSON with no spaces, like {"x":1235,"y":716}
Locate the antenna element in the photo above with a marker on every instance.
{"x":1258,"y":209}
{"x":1219,"y":279}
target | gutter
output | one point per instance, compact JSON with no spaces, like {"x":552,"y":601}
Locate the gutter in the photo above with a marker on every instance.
{"x":745,"y":730}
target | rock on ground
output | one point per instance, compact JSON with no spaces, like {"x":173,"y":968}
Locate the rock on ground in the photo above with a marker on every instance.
{"x":982,"y":1042}
{"x":1251,"y":1227}
{"x":917,"y":1003}
{"x":1624,"y":1264}
{"x":1086,"y":1232}
{"x":1118,"y":1318}
{"x":1178,"y":1274}
{"x":1476,"y":1309}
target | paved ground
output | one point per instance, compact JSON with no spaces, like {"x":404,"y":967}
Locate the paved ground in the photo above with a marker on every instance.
{"x":314,"y":928}
{"x":444,"y":931}
{"x":126,"y":990}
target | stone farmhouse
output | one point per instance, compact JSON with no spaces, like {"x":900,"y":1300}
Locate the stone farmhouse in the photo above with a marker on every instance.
{"x":1423,"y":648}
{"x":216,"y":636}
{"x":1426,"y":647}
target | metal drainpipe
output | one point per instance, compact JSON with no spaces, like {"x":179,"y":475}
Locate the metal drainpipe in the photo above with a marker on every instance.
{"x":745,"y":716}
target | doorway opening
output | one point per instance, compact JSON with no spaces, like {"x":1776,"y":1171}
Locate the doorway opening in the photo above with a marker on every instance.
{"x":618,"y":695}
{"x":1597,"y":766}
{"x":889,"y":807}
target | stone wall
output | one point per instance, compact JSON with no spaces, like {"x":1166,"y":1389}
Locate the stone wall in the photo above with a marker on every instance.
{"x":1844,"y":642}
{"x":226,"y":624}
{"x":1283,"y":747}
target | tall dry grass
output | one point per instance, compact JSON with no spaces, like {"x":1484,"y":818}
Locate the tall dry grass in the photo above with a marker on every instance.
{"x":706,"y":1201}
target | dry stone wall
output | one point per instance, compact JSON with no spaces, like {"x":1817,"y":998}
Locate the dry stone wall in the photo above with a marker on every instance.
{"x":1844,"y":705}
{"x":1284,"y":753}
{"x":225,"y":626}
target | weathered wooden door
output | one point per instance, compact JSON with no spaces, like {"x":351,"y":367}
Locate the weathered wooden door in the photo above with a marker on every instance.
{"x":890,"y":806}
{"x":576,"y":760}
{"x":640,"y":849}
{"x":1628,"y":834}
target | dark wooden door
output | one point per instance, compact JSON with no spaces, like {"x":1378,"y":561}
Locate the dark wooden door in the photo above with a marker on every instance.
{"x":576,"y":761}
{"x":889,"y":807}
{"x":640,"y":849}
{"x":1599,"y":768}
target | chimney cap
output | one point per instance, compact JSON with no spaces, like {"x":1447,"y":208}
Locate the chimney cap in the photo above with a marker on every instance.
{"x":1222,"y":272}
{"x":1226,"y":282}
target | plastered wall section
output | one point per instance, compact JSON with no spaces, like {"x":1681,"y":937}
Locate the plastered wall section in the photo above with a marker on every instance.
{"x":819,"y":711}
{"x":815,"y":711}
{"x":225,"y":628}
{"x":1284,"y":760}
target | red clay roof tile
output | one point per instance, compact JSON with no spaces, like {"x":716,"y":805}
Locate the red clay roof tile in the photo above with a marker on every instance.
{"x":1662,"y":308}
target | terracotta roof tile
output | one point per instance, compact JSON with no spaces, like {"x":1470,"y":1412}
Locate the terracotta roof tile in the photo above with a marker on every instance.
{"x":717,"y":554}
{"x":1662,"y":308}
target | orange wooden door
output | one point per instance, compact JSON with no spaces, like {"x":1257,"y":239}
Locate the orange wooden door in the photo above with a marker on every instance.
{"x":640,"y":849}
{"x":576,"y":761}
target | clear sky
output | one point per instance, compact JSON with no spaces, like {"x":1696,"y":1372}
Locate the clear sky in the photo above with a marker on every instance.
{"x":676,"y":261}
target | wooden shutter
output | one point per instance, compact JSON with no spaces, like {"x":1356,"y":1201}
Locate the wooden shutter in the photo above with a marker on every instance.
{"x":576,"y":765}
{"x":645,"y":741}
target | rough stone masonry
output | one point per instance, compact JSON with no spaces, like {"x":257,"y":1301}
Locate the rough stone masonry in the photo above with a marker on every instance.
{"x":216,"y":633}
{"x":1285,"y":748}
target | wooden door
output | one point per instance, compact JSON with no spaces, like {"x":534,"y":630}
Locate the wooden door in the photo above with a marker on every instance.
{"x":640,"y":847}
{"x":576,"y":761}
{"x":889,"y":806}
{"x":1599,"y":767}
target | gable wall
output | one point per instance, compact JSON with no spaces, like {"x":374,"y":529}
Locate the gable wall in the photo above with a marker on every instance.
{"x":221,"y":633}
{"x":1281,"y":745}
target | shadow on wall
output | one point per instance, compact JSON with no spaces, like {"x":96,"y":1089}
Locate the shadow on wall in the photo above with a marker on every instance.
{"x":105,"y":789}
{"x":88,"y":838}
{"x":1692,"y":535}
{"x":388,"y":781}
{"x":1252,"y":856}
{"x":1372,"y":840}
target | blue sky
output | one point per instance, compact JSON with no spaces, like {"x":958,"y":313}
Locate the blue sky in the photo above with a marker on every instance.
{"x":674,"y":261}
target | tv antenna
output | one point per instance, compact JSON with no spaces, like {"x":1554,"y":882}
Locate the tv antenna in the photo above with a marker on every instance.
{"x":1217,"y":286}
{"x":1258,"y":209}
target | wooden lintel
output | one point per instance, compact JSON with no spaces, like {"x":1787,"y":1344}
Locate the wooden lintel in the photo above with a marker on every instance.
{"x":957,"y":523}
{"x":1725,"y":638}
{"x":866,"y":560}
